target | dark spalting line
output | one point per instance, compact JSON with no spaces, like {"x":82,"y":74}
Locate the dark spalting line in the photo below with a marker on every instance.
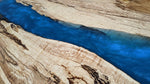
{"x":14,"y":27}
{"x":53,"y":79}
{"x":7,"y":70}
{"x":71,"y":80}
{"x":11,"y":36}
{"x":10,"y":59}
{"x":95,"y":75}
{"x":1,"y":57}
{"x":12,"y":78}
{"x":15,"y":39}
{"x":2,"y":28}
{"x":56,"y":79}
{"x":24,"y":2}
{"x":40,"y":76}
{"x":68,"y":5}
{"x":118,"y":4}
{"x":6,"y":57}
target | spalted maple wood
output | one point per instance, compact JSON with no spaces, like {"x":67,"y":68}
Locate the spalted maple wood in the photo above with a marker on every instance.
{"x":131,"y":16}
{"x":29,"y":59}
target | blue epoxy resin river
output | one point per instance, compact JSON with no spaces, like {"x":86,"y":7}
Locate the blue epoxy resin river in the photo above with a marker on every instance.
{"x":130,"y":53}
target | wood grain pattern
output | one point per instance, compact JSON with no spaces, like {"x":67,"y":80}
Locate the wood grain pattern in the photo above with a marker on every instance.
{"x":142,"y":6}
{"x":45,"y":61}
{"x":131,"y":16}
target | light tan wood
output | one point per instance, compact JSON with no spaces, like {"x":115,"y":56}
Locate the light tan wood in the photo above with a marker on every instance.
{"x":29,"y":59}
{"x":131,"y":16}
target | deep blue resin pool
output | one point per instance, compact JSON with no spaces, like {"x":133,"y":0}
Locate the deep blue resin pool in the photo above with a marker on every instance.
{"x":129,"y":53}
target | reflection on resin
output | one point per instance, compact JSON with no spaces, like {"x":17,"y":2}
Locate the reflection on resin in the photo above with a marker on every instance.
{"x":129,"y":53}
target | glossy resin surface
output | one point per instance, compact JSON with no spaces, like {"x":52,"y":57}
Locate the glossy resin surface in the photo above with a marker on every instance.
{"x":130,"y":53}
